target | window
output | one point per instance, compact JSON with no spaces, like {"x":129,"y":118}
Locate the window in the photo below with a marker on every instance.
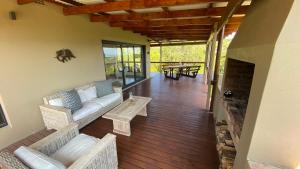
{"x":124,"y":62}
{"x":3,"y":121}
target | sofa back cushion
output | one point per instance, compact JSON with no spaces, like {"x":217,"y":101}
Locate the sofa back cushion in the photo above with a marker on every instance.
{"x":104,"y":87}
{"x":37,"y":160}
{"x":78,"y":147}
{"x":9,"y":161}
{"x":56,"y":102}
{"x":87,"y":94}
{"x":71,"y":100}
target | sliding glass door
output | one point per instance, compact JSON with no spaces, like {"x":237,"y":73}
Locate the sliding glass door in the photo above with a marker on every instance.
{"x":124,"y":62}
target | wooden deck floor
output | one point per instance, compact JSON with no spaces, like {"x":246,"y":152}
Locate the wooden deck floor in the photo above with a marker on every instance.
{"x":177,"y":134}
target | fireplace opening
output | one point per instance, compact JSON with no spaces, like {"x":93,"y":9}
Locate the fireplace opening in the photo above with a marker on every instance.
{"x":238,"y":79}
{"x":3,"y":121}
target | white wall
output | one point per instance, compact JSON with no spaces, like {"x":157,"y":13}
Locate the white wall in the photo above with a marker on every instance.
{"x":276,"y":136}
{"x":28,"y":69}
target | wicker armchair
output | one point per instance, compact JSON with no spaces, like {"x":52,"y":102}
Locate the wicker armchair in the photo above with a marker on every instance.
{"x":103,"y":155}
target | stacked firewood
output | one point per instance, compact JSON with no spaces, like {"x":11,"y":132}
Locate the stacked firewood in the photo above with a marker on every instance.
{"x":225,"y":146}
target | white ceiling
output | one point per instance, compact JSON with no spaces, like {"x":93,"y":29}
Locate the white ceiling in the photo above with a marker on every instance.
{"x":158,"y":9}
{"x":89,"y":2}
{"x":185,"y":7}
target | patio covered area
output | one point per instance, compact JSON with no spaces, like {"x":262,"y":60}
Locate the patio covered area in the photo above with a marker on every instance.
{"x":81,"y":70}
{"x":178,"y":132}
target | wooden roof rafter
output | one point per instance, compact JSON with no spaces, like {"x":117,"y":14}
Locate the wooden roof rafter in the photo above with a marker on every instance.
{"x":129,"y":5}
{"x":160,"y":18}
{"x":218,"y":11}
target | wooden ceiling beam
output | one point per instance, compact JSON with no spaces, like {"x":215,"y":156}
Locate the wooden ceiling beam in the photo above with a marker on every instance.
{"x":143,"y":27}
{"x":130,"y":4}
{"x":22,"y":2}
{"x":180,"y":32}
{"x":177,"y":33}
{"x":169,"y":14}
{"x":176,"y":22}
{"x":232,"y":7}
{"x":178,"y":29}
{"x":179,"y":38}
{"x":166,"y":9}
{"x":178,"y":44}
{"x":174,"y":31}
{"x":73,"y":2}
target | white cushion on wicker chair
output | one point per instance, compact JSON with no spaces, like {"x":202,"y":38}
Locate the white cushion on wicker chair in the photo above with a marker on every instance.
{"x":107,"y":100}
{"x":87,"y":109}
{"x":79,"y":146}
{"x":37,"y":160}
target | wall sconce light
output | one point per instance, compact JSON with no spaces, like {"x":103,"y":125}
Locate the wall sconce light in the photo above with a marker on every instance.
{"x":13,"y":15}
{"x":64,"y":55}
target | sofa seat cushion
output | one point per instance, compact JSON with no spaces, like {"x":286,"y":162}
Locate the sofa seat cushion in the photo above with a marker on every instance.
{"x":79,"y":146}
{"x":87,"y":109}
{"x":107,"y":100}
{"x":37,"y":160}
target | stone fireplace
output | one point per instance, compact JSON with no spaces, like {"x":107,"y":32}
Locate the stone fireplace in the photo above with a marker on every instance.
{"x":238,"y":80}
{"x":267,"y":109}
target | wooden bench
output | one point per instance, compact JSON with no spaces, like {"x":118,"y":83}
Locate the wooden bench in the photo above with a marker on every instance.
{"x":173,"y":73}
{"x":191,"y":71}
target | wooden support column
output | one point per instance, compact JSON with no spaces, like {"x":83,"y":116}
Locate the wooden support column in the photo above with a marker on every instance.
{"x":217,"y":68}
{"x":207,"y":55}
{"x":160,"y":57}
{"x":211,"y":65}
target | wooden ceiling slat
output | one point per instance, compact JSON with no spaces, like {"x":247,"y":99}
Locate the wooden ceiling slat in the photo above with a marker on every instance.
{"x":170,"y":14}
{"x":130,"y":4}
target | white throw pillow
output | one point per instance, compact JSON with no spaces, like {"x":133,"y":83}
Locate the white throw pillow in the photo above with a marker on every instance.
{"x":56,"y":102}
{"x":87,"y":94}
{"x":79,"y":146}
{"x":37,"y":160}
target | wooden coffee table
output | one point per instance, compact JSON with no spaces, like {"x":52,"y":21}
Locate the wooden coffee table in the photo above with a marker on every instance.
{"x":125,"y":112}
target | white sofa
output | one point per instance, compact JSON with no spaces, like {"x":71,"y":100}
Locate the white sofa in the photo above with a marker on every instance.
{"x":55,"y":116}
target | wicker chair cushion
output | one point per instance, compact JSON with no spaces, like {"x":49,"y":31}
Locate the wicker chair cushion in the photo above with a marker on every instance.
{"x":79,"y":146}
{"x":37,"y":160}
{"x":9,"y":161}
{"x":104,"y":88}
{"x":71,"y":100}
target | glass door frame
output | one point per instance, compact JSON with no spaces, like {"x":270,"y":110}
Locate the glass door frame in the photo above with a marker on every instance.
{"x":133,"y":46}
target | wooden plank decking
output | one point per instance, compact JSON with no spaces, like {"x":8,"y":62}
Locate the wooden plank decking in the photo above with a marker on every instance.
{"x":177,"y":134}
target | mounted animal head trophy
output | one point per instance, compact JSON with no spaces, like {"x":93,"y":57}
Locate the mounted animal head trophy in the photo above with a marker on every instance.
{"x":64,"y":55}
